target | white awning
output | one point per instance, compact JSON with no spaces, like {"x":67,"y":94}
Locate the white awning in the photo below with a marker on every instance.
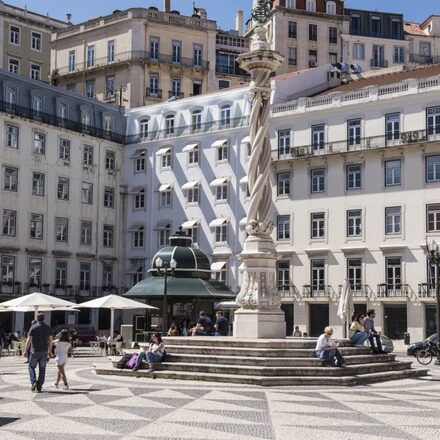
{"x":219,"y":143}
{"x":246,"y":140}
{"x":218,"y":182}
{"x":163,"y":151}
{"x":136,"y":227}
{"x":243,"y":221}
{"x":136,"y":190}
{"x":218,"y":266}
{"x":164,"y":187}
{"x":165,"y":223}
{"x":189,"y":185}
{"x":134,"y":269}
{"x":189,"y":224}
{"x":218,"y":222}
{"x":190,"y":147}
{"x":244,"y":179}
{"x":139,"y":153}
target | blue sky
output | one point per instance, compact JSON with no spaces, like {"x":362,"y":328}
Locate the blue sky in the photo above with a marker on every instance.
{"x":221,"y":10}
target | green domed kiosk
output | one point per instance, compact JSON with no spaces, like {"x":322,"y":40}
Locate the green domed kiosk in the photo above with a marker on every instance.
{"x":189,"y":286}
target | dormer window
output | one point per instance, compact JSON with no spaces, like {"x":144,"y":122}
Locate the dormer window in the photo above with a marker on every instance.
{"x":311,"y":5}
{"x":225,"y":115}
{"x":330,"y":8}
{"x":169,"y":124}
{"x":196,"y":120}
{"x":143,"y":129}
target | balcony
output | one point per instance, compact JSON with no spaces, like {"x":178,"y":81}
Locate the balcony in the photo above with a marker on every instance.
{"x":423,"y":59}
{"x":323,"y":291}
{"x":153,"y":93}
{"x":221,"y":69}
{"x":427,"y":291}
{"x":378,"y":63}
{"x":186,"y":130}
{"x":397,"y":291}
{"x":355,"y":144}
{"x":10,"y":288}
{"x":288,"y":291}
{"x":51,"y":119}
{"x":359,"y":291}
{"x":176,"y":95}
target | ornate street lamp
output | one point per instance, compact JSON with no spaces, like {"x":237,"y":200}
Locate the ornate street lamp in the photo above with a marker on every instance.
{"x":165,"y":269}
{"x":434,"y":258}
{"x":260,"y":315}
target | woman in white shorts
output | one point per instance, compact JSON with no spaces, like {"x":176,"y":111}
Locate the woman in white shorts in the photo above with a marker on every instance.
{"x":62,"y":349}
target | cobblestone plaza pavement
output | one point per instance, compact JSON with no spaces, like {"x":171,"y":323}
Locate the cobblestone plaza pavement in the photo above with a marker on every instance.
{"x":107,"y":407}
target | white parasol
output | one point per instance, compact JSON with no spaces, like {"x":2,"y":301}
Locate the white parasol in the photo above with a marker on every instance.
{"x":345,"y":306}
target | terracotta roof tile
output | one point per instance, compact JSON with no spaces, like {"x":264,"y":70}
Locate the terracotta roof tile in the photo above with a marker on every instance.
{"x":413,"y":29}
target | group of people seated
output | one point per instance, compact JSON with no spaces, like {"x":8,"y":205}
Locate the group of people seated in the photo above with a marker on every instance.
{"x":203,"y":327}
{"x":361,"y":330}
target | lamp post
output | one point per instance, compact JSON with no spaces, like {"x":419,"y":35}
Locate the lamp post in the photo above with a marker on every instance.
{"x":165,"y":269}
{"x":434,"y":258}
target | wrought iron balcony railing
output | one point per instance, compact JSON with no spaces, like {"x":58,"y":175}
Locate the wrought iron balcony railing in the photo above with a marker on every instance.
{"x":222,"y":69}
{"x":174,"y":94}
{"x":359,"y":291}
{"x":10,"y":288}
{"x":154,"y":93}
{"x":427,"y":290}
{"x":288,"y":291}
{"x":322,"y":291}
{"x":378,"y":63}
{"x":393,"y":291}
{"x":423,"y":59}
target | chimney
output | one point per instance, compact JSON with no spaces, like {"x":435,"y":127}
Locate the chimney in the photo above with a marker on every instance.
{"x":166,"y":6}
{"x":239,"y":22}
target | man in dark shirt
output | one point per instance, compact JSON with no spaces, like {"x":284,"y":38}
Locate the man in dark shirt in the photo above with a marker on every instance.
{"x":373,"y":334}
{"x":221,"y":325}
{"x":38,"y":342}
{"x":3,"y":339}
{"x":206,"y":322}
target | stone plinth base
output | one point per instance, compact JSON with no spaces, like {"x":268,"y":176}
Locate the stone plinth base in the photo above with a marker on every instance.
{"x":259,"y":324}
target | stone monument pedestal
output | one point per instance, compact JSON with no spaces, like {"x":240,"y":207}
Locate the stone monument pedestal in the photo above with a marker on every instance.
{"x":259,"y":323}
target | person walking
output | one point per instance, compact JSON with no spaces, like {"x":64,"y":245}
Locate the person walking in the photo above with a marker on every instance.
{"x":3,"y":340}
{"x":62,"y":348}
{"x":38,"y":344}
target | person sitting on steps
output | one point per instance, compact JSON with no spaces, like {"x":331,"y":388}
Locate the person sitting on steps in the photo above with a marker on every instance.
{"x":357,"y":331}
{"x":327,"y":350}
{"x":154,"y":355}
{"x":373,"y":335}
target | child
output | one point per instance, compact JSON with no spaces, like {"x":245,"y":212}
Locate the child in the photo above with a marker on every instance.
{"x":62,"y":350}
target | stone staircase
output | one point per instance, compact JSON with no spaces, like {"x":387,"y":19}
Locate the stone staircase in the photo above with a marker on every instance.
{"x":283,"y":362}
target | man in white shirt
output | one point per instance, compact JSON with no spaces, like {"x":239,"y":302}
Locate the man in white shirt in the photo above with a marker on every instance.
{"x":327,"y":350}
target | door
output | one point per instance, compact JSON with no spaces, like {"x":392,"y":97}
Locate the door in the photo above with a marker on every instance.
{"x":394,"y":276}
{"x":396,"y":323}
{"x":354,"y":275}
{"x":318,"y":318}
{"x":84,"y":316}
{"x":288,"y":315}
{"x":318,"y":277}
{"x":431,"y":320}
{"x":318,"y":139}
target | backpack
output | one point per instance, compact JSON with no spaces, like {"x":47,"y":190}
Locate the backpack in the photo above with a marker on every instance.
{"x":132,"y":361}
{"x":164,"y":355}
{"x":122,"y":363}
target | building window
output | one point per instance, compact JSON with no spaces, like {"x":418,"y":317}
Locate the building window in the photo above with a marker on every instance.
{"x":392,"y":126}
{"x":292,"y":56}
{"x":108,"y":124}
{"x":196,"y":120}
{"x":7,"y":270}
{"x":143,"y":129}
{"x":311,"y":5}
{"x":72,"y":61}
{"x":38,"y":184}
{"x":166,"y":160}
{"x":283,"y":276}
{"x":91,"y":89}
{"x":283,"y":143}
{"x":318,"y":277}
{"x":87,"y":193}
{"x":139,"y":200}
{"x":109,"y":197}
{"x":87,"y":155}
{"x":332,"y":57}
{"x":399,"y":55}
{"x":37,"y":105}
{"x":330,"y":8}
{"x":332,"y":35}
{"x":283,"y":227}
{"x":86,"y":233}
{"x":378,"y":56}
{"x":63,"y":188}
{"x":358,"y":51}
{"x":354,"y":223}
{"x":12,"y":134}
{"x":318,"y":225}
{"x":354,"y":133}
{"x":111,"y":51}
{"x":292,"y":29}
{"x":354,"y":176}
{"x":283,"y":184}
{"x":433,"y":120}
{"x":318,"y":180}
{"x":354,"y":274}
{"x":10,"y":176}
{"x":110,"y":87}
{"x":224,"y":84}
{"x":318,"y":139}
{"x":225,"y":115}
{"x":85,"y":120}
{"x":169,"y":124}
{"x":313,"y":32}
{"x":432,"y":169}
{"x":10,"y":97}
{"x":313,"y":58}
{"x":165,"y":198}
{"x":396,"y":29}
{"x":107,"y":275}
{"x":433,"y":218}
{"x":222,"y":192}
{"x":60,"y":274}
{"x":14,"y":35}
{"x":393,"y":173}
{"x":14,"y":65}
{"x":164,"y":236}
{"x":90,"y":56}
{"x":193,"y":195}
{"x":9,"y":222}
{"x":62,"y":113}
{"x":64,"y":150}
{"x":36,"y":41}
{"x":35,"y":72}
{"x":393,"y":220}
{"x":85,"y":270}
{"x":197,"y":52}
{"x":107,"y":238}
{"x":356,"y":24}
{"x":62,"y":229}
{"x":154,"y":85}
{"x":176,"y":51}
{"x":137,"y":277}
{"x":291,"y":4}
{"x":139,"y":164}
{"x":35,"y":272}
{"x":193,"y":233}
{"x":196,"y":87}
{"x":110,"y":164}
{"x":39,"y":143}
{"x":376,"y":26}
{"x":221,"y":234}
{"x":154,"y":48}
{"x":393,"y":276}
{"x":222,"y":153}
